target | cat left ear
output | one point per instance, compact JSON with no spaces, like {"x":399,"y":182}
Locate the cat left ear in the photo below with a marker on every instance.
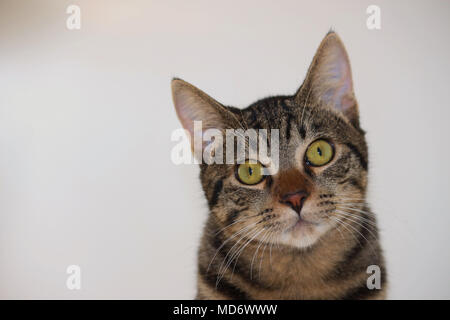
{"x":192,"y":104}
{"x":329,"y":79}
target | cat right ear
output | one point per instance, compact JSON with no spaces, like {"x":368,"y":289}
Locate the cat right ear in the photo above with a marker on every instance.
{"x":192,"y":104}
{"x":329,"y":79}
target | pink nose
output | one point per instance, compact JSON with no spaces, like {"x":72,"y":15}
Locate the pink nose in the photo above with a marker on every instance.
{"x":294,"y":200}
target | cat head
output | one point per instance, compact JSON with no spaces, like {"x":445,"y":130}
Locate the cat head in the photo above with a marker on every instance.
{"x":322,"y":169}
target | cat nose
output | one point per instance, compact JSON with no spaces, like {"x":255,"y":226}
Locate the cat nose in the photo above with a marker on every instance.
{"x":294,"y":200}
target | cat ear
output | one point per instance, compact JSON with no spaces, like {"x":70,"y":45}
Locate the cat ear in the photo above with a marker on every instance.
{"x":192,"y":104}
{"x":329,"y":79}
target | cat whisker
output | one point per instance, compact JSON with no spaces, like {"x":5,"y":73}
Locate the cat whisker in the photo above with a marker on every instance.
{"x":352,"y":198}
{"x":344,"y":225}
{"x":229,"y":239}
{"x":346,"y":198}
{"x":255,"y":254}
{"x":239,"y":252}
{"x":349,"y":225}
{"x":340,"y":232}
{"x":355,"y":209}
{"x":221,"y":274}
{"x":244,"y":248}
{"x":350,"y":202}
{"x":233,"y":223}
{"x":268,"y":239}
{"x":366,"y":220}
{"x":355,"y":219}
{"x":225,"y":263}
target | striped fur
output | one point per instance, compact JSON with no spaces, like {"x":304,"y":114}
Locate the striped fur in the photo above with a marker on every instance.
{"x":249,"y":249}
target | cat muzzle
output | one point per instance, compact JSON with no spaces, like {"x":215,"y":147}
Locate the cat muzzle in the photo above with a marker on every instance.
{"x":295,"y":200}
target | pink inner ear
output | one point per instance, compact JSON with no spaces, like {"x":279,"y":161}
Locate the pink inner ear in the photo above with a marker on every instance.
{"x":343,"y":85}
{"x":186,"y":122}
{"x":346,"y":101}
{"x":196,"y":112}
{"x":186,"y":114}
{"x":334,"y":81}
{"x":184,"y":110}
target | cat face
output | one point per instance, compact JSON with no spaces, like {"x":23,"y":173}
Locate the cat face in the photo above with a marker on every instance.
{"x":322,"y":168}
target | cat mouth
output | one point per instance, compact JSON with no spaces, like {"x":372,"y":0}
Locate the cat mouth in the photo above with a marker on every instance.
{"x":300,"y":224}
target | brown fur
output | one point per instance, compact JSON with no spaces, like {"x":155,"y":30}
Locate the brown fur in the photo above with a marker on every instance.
{"x":254,"y":245}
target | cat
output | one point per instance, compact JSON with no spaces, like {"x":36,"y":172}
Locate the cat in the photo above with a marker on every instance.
{"x":305,"y":232}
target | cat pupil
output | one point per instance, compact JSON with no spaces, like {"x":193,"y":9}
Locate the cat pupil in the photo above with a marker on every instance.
{"x":250,"y":171}
{"x":319,"y":151}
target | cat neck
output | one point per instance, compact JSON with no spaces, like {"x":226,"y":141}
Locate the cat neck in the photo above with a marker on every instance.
{"x":331,"y":267}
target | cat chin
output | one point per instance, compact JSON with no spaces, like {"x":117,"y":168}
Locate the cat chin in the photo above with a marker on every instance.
{"x":303,"y":235}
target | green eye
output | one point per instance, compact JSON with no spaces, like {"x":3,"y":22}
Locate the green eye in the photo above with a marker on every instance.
{"x":249,"y":173}
{"x":319,"y":153}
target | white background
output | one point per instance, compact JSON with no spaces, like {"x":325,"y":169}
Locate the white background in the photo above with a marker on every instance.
{"x":86,"y":118}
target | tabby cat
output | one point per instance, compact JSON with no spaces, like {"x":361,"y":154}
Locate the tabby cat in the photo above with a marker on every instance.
{"x":305,"y":232}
